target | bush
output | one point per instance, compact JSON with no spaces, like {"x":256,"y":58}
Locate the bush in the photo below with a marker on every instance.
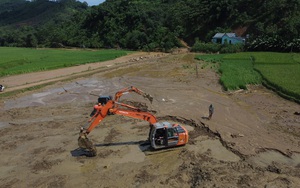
{"x":206,"y":47}
{"x":229,"y":48}
{"x":274,"y":44}
{"x":214,"y":48}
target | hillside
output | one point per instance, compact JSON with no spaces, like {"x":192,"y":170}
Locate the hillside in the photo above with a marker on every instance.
{"x":8,"y":5}
{"x":24,"y":13}
{"x":157,"y":25}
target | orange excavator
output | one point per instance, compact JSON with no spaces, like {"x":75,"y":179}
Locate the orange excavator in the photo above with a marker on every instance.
{"x":162,"y":134}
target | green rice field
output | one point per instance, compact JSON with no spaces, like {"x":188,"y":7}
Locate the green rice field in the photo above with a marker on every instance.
{"x":24,"y":60}
{"x":278,"y":71}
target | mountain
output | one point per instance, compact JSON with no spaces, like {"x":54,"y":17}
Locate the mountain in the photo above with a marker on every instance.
{"x":25,"y":13}
{"x":148,"y":25}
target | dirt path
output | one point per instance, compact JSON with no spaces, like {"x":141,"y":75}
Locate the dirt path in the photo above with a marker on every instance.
{"x":253,"y":139}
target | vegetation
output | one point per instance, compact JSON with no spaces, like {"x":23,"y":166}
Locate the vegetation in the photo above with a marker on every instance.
{"x":149,"y":25}
{"x":216,"y":48}
{"x":236,"y":70}
{"x":279,"y":71}
{"x":24,"y":60}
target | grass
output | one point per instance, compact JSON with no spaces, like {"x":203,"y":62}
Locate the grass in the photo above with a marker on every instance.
{"x":24,"y":60}
{"x":278,"y":71}
{"x":236,"y":70}
{"x":211,"y":58}
{"x":237,"y":74}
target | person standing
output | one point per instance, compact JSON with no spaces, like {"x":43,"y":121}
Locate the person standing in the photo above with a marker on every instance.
{"x":210,"y":111}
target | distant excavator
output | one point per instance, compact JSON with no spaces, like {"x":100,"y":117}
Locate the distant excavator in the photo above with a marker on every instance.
{"x":161,"y":135}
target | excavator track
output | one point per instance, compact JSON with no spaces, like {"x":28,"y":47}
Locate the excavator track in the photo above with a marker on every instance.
{"x":151,"y":151}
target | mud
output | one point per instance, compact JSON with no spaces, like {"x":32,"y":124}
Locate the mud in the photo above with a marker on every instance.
{"x":252,"y":139}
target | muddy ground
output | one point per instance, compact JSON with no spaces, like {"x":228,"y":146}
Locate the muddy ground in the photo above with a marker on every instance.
{"x":252,"y":140}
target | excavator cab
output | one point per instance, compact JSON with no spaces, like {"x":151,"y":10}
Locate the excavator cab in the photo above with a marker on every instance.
{"x":166,"y":135}
{"x":103,"y":99}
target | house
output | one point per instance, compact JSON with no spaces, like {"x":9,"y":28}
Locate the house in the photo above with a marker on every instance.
{"x":230,"y":38}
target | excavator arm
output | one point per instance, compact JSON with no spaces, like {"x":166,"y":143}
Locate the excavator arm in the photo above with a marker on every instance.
{"x":111,"y":106}
{"x":132,"y":89}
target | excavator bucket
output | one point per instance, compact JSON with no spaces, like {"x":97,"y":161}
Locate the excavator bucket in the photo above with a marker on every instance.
{"x":87,"y":145}
{"x":148,"y":96}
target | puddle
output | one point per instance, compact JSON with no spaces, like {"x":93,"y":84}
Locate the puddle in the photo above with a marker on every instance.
{"x":166,"y":161}
{"x":215,"y":149}
{"x":82,"y":90}
{"x":265,"y":159}
{"x":3,"y":124}
{"x":133,"y":155}
{"x":41,"y":94}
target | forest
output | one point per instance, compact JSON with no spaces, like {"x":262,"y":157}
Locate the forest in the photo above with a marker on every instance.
{"x":156,"y":25}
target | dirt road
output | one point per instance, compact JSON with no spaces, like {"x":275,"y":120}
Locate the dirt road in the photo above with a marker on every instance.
{"x":252,"y":140}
